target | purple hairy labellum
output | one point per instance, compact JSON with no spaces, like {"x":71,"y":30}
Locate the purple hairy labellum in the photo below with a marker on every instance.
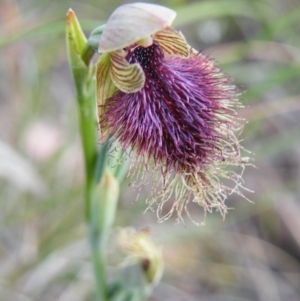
{"x":176,"y":109}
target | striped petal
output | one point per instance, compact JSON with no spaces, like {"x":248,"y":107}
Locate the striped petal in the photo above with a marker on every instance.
{"x":172,"y":42}
{"x":132,"y":22}
{"x":129,"y":78}
{"x":105,"y":87}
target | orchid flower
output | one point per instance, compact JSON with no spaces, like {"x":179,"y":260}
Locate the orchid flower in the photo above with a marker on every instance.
{"x":173,"y":106}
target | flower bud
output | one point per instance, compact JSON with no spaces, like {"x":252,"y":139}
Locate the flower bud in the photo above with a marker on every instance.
{"x":75,"y":34}
{"x":104,"y":207}
{"x":141,"y":249}
{"x":76,"y":42}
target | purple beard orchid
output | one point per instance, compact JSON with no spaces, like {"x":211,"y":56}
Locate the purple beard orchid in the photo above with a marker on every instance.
{"x":171,"y":105}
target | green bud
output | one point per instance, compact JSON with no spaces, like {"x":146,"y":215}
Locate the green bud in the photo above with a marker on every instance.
{"x":104,"y":207}
{"x":74,"y":32}
{"x":76,"y":42}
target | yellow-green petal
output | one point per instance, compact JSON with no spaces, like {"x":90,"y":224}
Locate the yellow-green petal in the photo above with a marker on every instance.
{"x":129,"y":78}
{"x":105,"y":87}
{"x":132,"y":22}
{"x":172,"y":42}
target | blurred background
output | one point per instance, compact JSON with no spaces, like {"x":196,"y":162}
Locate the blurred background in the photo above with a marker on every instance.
{"x":253,"y":255}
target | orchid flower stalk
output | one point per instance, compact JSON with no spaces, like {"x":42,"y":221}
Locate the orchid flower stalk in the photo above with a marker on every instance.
{"x":168,"y":107}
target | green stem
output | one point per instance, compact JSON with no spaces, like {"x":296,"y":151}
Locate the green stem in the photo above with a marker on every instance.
{"x":80,"y":54}
{"x":89,"y":143}
{"x":98,"y":260}
{"x":88,"y":137}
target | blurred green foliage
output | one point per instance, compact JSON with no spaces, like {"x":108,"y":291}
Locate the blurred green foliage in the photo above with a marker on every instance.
{"x":253,"y":255}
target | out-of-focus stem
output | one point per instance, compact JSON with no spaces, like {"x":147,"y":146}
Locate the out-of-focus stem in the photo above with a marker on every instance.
{"x":100,"y":274}
{"x":88,"y":136}
{"x":89,"y":142}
